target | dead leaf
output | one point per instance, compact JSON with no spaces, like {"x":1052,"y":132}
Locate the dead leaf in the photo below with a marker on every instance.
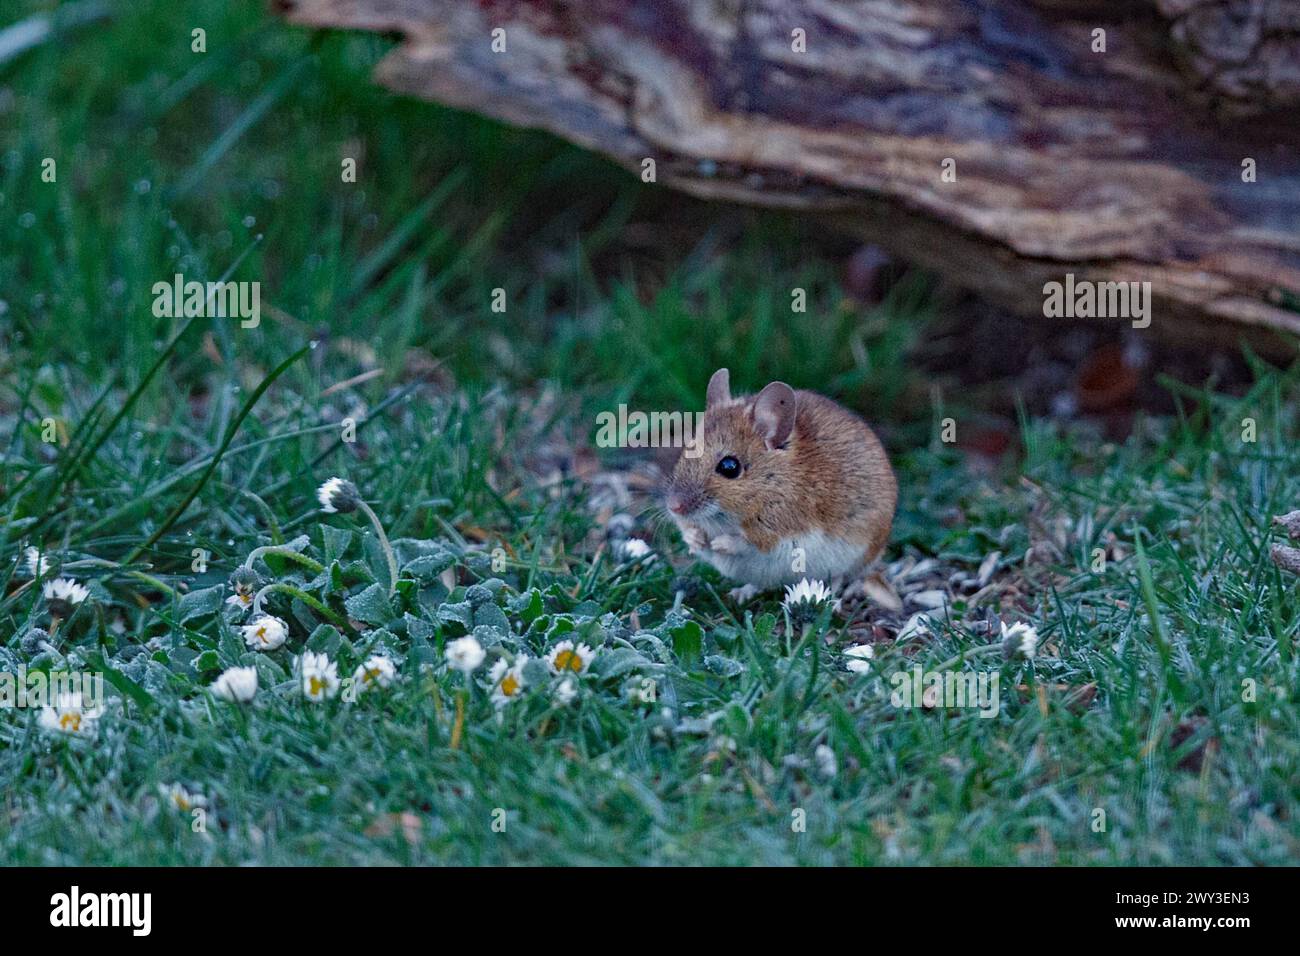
{"x":882,"y":592}
{"x":987,"y":567}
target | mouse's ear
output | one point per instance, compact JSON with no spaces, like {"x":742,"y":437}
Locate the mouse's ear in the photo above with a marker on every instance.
{"x":774,"y":410}
{"x":719,"y":390}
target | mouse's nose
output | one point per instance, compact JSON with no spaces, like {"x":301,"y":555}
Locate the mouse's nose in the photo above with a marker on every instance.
{"x":677,"y":503}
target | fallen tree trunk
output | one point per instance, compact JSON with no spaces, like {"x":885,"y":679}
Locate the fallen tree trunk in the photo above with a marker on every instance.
{"x":1126,"y":165}
{"x":1285,"y":557}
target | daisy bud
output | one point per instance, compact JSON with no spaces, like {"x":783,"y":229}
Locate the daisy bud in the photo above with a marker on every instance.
{"x":237,"y":684}
{"x":244,"y":583}
{"x":686,"y":585}
{"x":1019,"y":641}
{"x":31,"y":642}
{"x":338,"y":495}
{"x":565,"y":691}
{"x":634,"y":549}
{"x":245,"y":580}
{"x":464,"y":654}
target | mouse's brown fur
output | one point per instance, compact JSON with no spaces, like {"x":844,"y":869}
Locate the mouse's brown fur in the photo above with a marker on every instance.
{"x":820,"y":469}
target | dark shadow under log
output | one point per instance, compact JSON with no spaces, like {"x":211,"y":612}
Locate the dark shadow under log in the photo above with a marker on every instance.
{"x":1124,"y":165}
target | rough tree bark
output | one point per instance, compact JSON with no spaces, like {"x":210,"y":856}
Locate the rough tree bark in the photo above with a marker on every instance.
{"x":1123,"y":165}
{"x":1284,"y":556}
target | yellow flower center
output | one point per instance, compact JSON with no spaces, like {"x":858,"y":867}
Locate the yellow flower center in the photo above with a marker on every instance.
{"x":568,"y":661}
{"x":372,"y":674}
{"x":261,"y":634}
{"x":70,"y":722}
{"x":316,"y":687}
{"x":510,"y":685}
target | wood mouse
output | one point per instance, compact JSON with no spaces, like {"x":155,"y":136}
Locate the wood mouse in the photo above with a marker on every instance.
{"x":786,"y":485}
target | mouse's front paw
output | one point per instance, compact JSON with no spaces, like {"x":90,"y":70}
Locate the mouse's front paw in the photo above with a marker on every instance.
{"x":743,"y":595}
{"x":696,"y":540}
{"x":727,"y":544}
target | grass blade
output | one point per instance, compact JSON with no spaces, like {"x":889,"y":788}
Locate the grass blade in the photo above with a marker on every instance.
{"x":221,"y":450}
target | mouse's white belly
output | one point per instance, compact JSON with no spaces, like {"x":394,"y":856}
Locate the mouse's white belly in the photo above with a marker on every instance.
{"x":816,"y":555}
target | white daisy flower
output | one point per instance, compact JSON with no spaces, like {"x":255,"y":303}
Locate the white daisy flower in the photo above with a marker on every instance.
{"x":803,"y":600}
{"x":808,"y":590}
{"x":634,"y":549}
{"x":38,"y":565}
{"x":265,"y":633}
{"x":63,"y":595}
{"x":181,"y":798}
{"x":464,"y":654}
{"x":338,"y":495}
{"x":507,"y":680}
{"x":565,"y":691}
{"x":241,"y":599}
{"x":68,"y":715}
{"x":238,"y":684}
{"x":565,"y":657}
{"x":859,"y":655}
{"x":377,"y":671}
{"x":320,"y":676}
{"x":1019,"y":640}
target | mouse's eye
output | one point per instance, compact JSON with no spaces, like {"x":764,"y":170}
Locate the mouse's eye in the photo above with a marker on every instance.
{"x":729,"y":467}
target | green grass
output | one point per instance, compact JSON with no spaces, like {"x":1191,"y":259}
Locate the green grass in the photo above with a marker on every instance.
{"x":460,"y":440}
